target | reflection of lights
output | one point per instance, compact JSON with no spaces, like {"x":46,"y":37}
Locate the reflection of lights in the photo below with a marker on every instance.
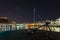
{"x":26,"y":27}
{"x":55,"y":29}
{"x":17,"y":27}
{"x":41,"y":28}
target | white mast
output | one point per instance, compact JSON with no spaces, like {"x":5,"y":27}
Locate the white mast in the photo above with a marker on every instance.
{"x":34,"y":16}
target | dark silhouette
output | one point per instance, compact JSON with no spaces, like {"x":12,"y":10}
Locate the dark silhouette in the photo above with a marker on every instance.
{"x":47,"y":24}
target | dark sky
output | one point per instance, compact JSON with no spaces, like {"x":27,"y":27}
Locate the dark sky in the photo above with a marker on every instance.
{"x":22,"y":11}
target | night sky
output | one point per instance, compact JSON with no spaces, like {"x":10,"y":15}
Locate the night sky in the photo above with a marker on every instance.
{"x":22,"y":11}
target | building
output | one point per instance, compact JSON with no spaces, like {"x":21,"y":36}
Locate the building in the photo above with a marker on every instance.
{"x":5,"y":25}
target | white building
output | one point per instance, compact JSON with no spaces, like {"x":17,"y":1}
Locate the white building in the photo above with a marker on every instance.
{"x":57,"y":22}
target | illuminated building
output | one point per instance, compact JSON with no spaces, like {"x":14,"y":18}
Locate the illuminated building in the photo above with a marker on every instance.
{"x":6,"y":25}
{"x":58,"y":21}
{"x":20,"y":26}
{"x":55,"y":25}
{"x":33,"y":25}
